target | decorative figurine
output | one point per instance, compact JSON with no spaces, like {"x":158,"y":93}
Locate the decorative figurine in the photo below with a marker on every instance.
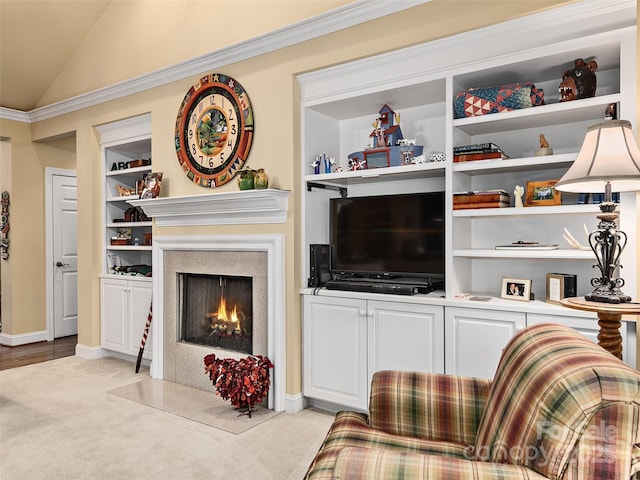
{"x":517,"y":193}
{"x":573,"y":242}
{"x":388,"y":147}
{"x":578,"y":82}
{"x":315,"y":165}
{"x":544,"y":147}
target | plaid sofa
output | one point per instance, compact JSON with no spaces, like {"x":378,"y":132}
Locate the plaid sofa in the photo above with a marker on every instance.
{"x":559,"y":407}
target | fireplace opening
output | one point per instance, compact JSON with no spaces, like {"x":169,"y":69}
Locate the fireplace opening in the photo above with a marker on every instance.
{"x":216,"y":311}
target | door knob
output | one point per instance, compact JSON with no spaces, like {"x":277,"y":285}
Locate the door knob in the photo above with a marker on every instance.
{"x":60,"y":264}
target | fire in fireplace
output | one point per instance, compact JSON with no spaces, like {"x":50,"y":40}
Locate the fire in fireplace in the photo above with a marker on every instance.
{"x":216,"y":311}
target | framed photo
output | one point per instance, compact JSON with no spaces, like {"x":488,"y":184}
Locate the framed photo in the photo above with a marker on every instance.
{"x":152,"y":182}
{"x":516,"y":289}
{"x":542,"y":193}
{"x":559,"y":286}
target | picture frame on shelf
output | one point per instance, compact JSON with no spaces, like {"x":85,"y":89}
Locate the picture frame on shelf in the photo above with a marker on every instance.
{"x":516,"y":289}
{"x":542,"y":193}
{"x":152,"y":184}
{"x":559,"y":286}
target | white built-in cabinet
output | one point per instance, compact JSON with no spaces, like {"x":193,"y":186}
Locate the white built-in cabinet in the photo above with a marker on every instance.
{"x":338,"y":105}
{"x":335,"y":350}
{"x":346,"y":340}
{"x":125,"y":305}
{"x":125,"y":298}
{"x":475,"y":338}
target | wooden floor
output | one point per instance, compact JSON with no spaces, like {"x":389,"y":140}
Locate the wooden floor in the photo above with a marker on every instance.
{"x":11,"y":357}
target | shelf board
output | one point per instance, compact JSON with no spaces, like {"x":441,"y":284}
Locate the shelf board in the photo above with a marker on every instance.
{"x":544,"y":115}
{"x":560,"y":254}
{"x":511,"y":211}
{"x":524,"y":164}
{"x":130,"y":247}
{"x":128,"y":224}
{"x":122,"y":198}
{"x":131,"y":172}
{"x":403,"y":172}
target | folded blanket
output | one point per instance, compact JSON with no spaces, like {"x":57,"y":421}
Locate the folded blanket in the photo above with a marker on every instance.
{"x":481,"y":101}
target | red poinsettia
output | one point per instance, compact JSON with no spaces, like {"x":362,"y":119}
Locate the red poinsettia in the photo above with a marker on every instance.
{"x":245,"y":382}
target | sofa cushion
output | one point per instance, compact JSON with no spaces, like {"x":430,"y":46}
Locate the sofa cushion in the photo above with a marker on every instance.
{"x":352,"y":429}
{"x":549,"y":384}
{"x":429,"y":406}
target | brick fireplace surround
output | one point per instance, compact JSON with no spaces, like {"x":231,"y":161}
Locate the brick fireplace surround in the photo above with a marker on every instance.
{"x":253,"y":207}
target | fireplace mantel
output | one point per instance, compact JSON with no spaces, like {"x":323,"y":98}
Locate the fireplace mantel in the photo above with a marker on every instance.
{"x":224,"y":208}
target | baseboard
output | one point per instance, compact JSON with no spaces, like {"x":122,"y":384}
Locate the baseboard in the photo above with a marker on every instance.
{"x":22,"y":338}
{"x":90,"y":353}
{"x":294,"y":403}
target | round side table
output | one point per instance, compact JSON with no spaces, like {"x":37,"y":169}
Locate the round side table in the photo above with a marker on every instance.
{"x":609,"y":316}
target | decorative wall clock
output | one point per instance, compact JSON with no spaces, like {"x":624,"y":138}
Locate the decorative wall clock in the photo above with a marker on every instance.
{"x":214,"y":130}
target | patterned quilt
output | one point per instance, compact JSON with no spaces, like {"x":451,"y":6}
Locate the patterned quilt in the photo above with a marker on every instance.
{"x":481,"y":101}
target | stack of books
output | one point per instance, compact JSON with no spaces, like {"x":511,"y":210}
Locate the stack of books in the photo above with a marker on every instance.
{"x":481,"y":199}
{"x":478,"y":151}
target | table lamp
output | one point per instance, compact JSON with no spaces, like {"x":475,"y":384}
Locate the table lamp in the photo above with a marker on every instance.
{"x":609,"y":160}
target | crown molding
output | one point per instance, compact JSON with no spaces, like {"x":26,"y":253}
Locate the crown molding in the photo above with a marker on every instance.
{"x":16,"y":115}
{"x":583,"y":18}
{"x":349,"y":15}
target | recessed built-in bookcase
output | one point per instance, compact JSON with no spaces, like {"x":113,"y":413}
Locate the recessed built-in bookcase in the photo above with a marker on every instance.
{"x":420,"y":84}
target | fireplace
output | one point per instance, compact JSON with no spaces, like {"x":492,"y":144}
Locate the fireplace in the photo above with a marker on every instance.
{"x":253,"y":264}
{"x":216,"y":311}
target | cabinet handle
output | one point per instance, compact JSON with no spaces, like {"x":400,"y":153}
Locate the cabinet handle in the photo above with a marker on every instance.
{"x":370,"y":314}
{"x":361,"y":312}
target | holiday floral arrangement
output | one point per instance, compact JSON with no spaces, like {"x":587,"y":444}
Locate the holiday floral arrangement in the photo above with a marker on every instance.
{"x":245,"y":382}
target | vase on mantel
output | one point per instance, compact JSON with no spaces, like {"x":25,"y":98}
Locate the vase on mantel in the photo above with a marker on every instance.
{"x":261,"y":180}
{"x":246,"y":179}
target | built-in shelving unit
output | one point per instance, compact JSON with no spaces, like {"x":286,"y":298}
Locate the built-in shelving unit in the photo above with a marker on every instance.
{"x":125,"y":297}
{"x":421,"y":82}
{"x":123,"y":142}
{"x":340,"y":127}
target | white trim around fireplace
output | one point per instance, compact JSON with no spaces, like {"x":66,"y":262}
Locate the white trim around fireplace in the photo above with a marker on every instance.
{"x":274,"y":246}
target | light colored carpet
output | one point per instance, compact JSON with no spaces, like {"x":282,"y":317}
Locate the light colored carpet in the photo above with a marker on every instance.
{"x":203,"y":407}
{"x":57,"y":420}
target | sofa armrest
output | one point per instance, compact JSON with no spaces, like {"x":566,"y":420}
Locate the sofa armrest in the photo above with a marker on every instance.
{"x":354,"y":463}
{"x":428,"y":406}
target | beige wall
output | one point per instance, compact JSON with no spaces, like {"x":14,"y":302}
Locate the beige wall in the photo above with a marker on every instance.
{"x":270,"y":81}
{"x":23,"y":281}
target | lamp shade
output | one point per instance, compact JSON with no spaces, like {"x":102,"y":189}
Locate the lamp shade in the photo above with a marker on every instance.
{"x":609,"y":153}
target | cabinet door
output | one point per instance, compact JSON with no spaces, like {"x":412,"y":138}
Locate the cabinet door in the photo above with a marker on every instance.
{"x":474,"y":339}
{"x":335,"y":357}
{"x":140,"y":293}
{"x":113,"y":308}
{"x":590,"y":329}
{"x":405,"y":336}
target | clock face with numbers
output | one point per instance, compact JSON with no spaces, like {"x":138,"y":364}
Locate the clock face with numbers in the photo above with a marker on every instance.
{"x":214,"y":130}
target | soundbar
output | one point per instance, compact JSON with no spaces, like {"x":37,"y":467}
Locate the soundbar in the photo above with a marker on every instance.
{"x":371,"y":287}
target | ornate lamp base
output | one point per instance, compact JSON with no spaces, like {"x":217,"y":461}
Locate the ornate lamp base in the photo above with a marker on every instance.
{"x":607,"y":243}
{"x":605,"y":295}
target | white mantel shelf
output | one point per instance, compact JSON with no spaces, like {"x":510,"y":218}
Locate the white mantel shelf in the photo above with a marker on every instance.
{"x":224,"y":208}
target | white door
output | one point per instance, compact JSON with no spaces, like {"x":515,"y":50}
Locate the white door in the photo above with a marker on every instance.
{"x":65,"y":255}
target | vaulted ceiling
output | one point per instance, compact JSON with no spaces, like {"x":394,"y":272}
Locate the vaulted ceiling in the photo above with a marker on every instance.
{"x":39,"y":38}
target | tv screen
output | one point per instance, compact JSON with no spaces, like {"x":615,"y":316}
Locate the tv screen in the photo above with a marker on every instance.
{"x":388,"y":235}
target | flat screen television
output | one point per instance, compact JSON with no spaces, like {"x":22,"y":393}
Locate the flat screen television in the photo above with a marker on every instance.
{"x":388,"y":236}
